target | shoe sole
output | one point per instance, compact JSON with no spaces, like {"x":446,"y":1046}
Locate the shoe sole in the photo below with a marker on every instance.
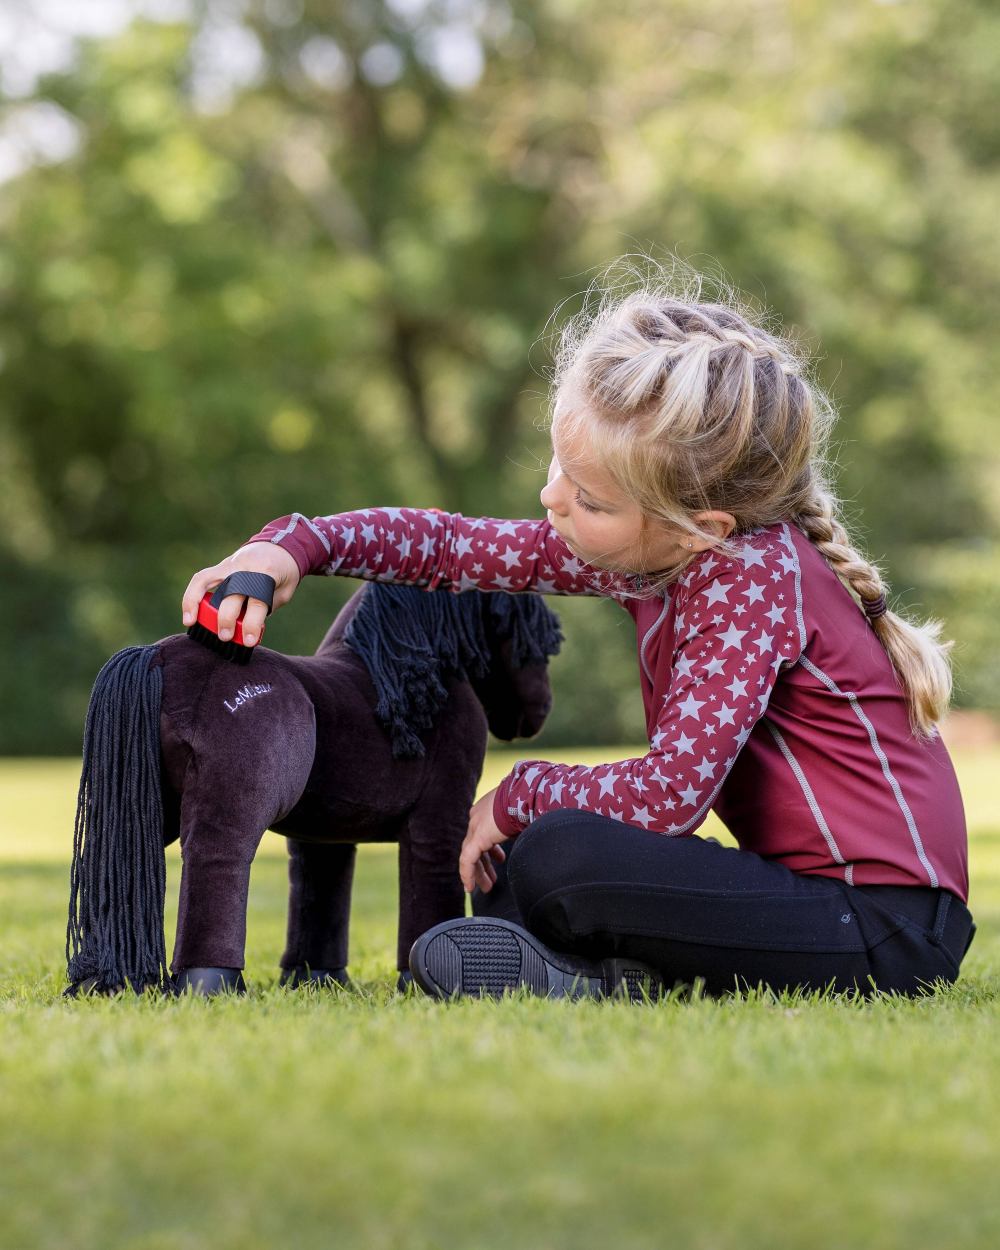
{"x":483,"y":957}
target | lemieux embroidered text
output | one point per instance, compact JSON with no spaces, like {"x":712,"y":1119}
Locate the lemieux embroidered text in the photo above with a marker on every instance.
{"x":245,"y":694}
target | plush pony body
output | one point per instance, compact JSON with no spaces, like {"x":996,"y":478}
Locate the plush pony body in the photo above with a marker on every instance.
{"x":378,"y":737}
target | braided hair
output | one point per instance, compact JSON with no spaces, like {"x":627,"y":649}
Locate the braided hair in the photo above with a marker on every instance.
{"x":693,"y":405}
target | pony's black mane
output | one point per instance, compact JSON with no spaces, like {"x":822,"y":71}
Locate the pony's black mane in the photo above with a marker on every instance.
{"x":411,"y":639}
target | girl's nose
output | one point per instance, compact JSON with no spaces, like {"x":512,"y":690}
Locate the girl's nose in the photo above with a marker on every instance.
{"x":550,"y":498}
{"x":549,"y":495}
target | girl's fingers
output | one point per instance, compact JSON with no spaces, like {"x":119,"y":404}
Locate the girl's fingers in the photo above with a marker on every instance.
{"x":253,"y":621}
{"x":259,"y":557}
{"x":197,"y":588}
{"x":229,"y":610}
{"x":467,"y":869}
{"x":482,"y":876}
{"x":498,"y":853}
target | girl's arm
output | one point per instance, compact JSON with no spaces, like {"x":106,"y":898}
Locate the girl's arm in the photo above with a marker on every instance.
{"x":737,"y":623}
{"x":440,"y":550}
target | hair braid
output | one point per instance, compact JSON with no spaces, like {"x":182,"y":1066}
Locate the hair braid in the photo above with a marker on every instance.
{"x":919,"y":658}
{"x":694,"y":406}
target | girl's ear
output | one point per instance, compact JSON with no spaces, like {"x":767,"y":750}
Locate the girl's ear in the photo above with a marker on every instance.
{"x":723,"y":523}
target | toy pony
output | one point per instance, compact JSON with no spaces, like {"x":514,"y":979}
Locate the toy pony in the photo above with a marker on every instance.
{"x":378,"y":737}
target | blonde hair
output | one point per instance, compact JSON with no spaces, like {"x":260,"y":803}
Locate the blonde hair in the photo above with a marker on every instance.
{"x":693,"y":406}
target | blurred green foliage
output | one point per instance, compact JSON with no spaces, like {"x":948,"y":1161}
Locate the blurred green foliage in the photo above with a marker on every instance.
{"x":330,"y":286}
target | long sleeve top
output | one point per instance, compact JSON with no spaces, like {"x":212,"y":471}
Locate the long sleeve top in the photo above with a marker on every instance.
{"x":768,"y":697}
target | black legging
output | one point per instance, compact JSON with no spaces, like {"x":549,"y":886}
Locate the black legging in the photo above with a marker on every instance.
{"x":697,"y":910}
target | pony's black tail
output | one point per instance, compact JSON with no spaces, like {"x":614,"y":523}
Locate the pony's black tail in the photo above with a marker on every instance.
{"x":118,"y":880}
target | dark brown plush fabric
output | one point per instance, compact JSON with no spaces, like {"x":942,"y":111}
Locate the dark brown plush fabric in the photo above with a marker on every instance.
{"x":291,"y":743}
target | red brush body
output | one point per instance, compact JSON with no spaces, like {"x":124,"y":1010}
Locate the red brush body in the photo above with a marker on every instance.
{"x":209,"y":617}
{"x":206,"y":628}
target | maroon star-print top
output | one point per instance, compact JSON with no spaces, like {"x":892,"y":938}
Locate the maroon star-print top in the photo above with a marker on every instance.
{"x":768,"y":697}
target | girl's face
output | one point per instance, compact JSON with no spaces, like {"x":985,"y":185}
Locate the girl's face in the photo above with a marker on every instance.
{"x":596,"y":521}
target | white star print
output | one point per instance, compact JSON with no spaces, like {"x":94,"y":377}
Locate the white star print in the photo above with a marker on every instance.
{"x":754,"y":593}
{"x":684,"y":665}
{"x":751,"y":557}
{"x":684,"y":745}
{"x":717,"y":593}
{"x":690,"y":795}
{"x":682,"y":670}
{"x":733,"y":637}
{"x":690,"y":706}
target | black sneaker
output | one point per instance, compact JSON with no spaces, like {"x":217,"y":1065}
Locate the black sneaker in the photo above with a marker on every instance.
{"x":479,"y":955}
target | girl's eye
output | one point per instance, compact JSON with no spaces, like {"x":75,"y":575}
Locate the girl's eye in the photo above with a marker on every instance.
{"x":588,"y":507}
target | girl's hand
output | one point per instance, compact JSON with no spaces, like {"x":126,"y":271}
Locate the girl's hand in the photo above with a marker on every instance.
{"x":481,"y":847}
{"x":259,"y":557}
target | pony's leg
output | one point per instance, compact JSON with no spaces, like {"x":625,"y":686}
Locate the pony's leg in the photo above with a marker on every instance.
{"x":215,"y":879}
{"x":430,"y":889}
{"x":430,"y":840}
{"x":320,"y":876}
{"x":246,"y":771}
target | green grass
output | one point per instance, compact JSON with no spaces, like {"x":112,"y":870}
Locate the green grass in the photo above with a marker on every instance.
{"x":359,"y":1118}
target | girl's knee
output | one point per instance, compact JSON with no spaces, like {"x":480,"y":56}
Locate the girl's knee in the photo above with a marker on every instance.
{"x":545,"y":855}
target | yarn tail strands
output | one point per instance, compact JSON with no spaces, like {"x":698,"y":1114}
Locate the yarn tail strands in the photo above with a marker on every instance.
{"x":114,"y":937}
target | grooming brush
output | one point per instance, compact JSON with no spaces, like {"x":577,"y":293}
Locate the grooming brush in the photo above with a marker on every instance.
{"x":206,"y":628}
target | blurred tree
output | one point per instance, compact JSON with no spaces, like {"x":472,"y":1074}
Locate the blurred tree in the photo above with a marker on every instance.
{"x":306,"y":256}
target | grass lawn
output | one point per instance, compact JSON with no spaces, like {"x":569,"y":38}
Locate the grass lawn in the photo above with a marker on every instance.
{"x":359,"y":1118}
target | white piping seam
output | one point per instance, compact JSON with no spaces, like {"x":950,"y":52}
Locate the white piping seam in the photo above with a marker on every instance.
{"x":787,"y":539}
{"x":880,"y":754}
{"x":649,"y":633}
{"x":701,"y":812}
{"x":800,"y":776}
{"x":296,"y":518}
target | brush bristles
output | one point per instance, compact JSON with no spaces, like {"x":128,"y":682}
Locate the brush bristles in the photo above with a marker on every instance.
{"x":231,"y":651}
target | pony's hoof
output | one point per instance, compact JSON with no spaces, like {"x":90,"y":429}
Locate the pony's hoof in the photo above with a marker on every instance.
{"x":80,"y":989}
{"x":404,"y":981}
{"x":210,"y":981}
{"x":302,"y":974}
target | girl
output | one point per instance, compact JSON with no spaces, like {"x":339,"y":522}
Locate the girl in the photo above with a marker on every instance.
{"x":688,"y":481}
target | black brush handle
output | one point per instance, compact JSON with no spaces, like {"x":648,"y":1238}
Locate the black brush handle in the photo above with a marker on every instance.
{"x":257,"y":585}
